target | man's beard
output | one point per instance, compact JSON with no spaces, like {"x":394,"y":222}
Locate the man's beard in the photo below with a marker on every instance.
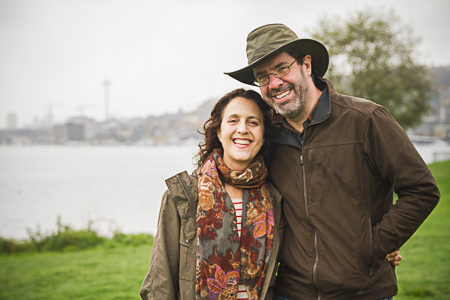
{"x":293,"y":108}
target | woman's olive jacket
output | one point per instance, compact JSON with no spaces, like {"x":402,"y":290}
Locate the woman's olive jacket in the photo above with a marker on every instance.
{"x":173,"y":258}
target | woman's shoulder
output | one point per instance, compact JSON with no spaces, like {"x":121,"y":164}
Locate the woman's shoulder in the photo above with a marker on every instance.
{"x":183,"y":185}
{"x":185,"y":176}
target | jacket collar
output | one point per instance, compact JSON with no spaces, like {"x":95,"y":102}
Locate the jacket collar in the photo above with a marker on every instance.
{"x":285,"y":136}
{"x":324,"y":106}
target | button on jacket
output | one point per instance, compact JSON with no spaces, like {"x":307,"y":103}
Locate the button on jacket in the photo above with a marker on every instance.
{"x":338,"y":200}
{"x":173,"y":258}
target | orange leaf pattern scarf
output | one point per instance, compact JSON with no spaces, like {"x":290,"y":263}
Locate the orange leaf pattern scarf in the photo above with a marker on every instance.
{"x":224,"y":259}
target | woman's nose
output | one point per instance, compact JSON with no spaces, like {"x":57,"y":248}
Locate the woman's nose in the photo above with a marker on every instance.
{"x":242,"y":129}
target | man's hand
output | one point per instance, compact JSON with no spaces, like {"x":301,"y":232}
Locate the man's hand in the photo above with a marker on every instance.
{"x":394,"y":257}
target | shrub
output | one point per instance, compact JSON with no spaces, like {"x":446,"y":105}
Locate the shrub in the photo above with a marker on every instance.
{"x":68,"y":239}
{"x":37,"y":238}
{"x":75,"y":239}
{"x":133,"y":239}
{"x":9,"y":246}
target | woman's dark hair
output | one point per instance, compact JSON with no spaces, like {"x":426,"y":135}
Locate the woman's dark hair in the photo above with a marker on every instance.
{"x":212,"y":125}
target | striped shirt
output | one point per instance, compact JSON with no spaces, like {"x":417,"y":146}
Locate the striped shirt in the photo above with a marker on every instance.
{"x":242,"y":292}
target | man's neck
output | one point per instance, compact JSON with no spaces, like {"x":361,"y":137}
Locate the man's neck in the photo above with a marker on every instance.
{"x":298,"y":121}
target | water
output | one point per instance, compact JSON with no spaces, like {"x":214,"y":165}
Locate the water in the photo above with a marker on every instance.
{"x":434,"y":152}
{"x":114,"y":186}
{"x":117,"y":187}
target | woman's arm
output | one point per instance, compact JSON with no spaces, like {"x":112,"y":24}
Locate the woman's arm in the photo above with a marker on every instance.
{"x":161,"y":281}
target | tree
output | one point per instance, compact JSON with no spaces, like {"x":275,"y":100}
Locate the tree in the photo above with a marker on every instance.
{"x":372,"y":56}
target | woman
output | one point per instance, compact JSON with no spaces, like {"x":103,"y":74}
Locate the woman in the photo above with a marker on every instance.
{"x":219,"y":229}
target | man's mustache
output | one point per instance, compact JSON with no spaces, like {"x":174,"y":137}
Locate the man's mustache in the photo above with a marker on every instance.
{"x":280,"y":89}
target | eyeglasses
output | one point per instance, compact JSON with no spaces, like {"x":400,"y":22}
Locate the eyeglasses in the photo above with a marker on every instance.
{"x":278,"y":73}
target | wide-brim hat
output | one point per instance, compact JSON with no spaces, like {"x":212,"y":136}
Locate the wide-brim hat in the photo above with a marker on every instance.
{"x":272,"y":39}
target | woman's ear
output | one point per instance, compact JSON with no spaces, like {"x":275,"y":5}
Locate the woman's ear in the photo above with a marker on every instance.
{"x":219,"y":135}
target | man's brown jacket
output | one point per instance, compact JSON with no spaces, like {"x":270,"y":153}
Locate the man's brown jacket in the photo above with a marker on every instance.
{"x":338,"y":200}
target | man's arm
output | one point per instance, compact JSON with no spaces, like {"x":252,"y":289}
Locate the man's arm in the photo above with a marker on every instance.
{"x":391,"y":152}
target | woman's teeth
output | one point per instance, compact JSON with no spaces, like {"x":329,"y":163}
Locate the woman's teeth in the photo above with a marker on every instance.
{"x":242,"y":142}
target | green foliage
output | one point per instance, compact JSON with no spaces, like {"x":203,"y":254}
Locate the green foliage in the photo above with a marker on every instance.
{"x":73,"y":240}
{"x":9,"y":246}
{"x":133,"y":239}
{"x":37,"y":238}
{"x":372,"y":56}
{"x":66,"y":239}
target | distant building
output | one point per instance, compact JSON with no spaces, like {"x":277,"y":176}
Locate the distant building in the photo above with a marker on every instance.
{"x":69,"y":132}
{"x":11,"y":121}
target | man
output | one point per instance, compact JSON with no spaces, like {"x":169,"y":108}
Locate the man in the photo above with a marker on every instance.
{"x":337,"y":161}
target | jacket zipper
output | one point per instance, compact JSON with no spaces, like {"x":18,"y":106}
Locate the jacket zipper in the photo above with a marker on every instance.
{"x":315,"y":233}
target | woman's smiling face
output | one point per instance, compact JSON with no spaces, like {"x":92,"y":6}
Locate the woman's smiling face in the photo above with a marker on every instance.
{"x":241,"y":132}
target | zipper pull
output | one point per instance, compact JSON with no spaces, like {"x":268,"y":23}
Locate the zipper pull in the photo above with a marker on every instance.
{"x":301,"y":160}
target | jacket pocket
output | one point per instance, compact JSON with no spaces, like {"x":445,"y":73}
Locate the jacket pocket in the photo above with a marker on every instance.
{"x":187,"y":262}
{"x":283,"y":222}
{"x":366,"y":254}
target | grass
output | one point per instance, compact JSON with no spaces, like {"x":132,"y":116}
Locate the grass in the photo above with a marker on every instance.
{"x":100,"y":273}
{"x":425,"y":269}
{"x":115,"y":269}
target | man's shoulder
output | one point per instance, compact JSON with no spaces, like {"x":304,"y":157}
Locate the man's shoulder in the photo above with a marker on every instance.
{"x":355,"y":104}
{"x":341,"y":102}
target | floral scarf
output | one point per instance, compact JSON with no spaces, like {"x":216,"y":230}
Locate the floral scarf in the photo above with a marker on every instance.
{"x":224,"y":259}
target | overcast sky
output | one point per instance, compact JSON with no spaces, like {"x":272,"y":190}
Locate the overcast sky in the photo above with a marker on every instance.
{"x":159,"y":56}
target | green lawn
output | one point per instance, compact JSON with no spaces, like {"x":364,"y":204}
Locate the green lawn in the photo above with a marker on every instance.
{"x":117,"y":273}
{"x":100,"y":273}
{"x":425,"y":269}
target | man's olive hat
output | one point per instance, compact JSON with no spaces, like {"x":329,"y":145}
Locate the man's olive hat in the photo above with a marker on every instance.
{"x":272,"y":39}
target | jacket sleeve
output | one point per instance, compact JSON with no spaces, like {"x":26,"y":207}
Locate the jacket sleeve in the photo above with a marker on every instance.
{"x":161,"y":281}
{"x":393,"y":156}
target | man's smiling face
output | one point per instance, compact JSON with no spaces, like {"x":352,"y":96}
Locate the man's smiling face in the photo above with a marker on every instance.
{"x":287,"y":95}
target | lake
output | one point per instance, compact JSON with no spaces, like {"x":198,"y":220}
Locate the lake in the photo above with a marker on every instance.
{"x":115,"y":187}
